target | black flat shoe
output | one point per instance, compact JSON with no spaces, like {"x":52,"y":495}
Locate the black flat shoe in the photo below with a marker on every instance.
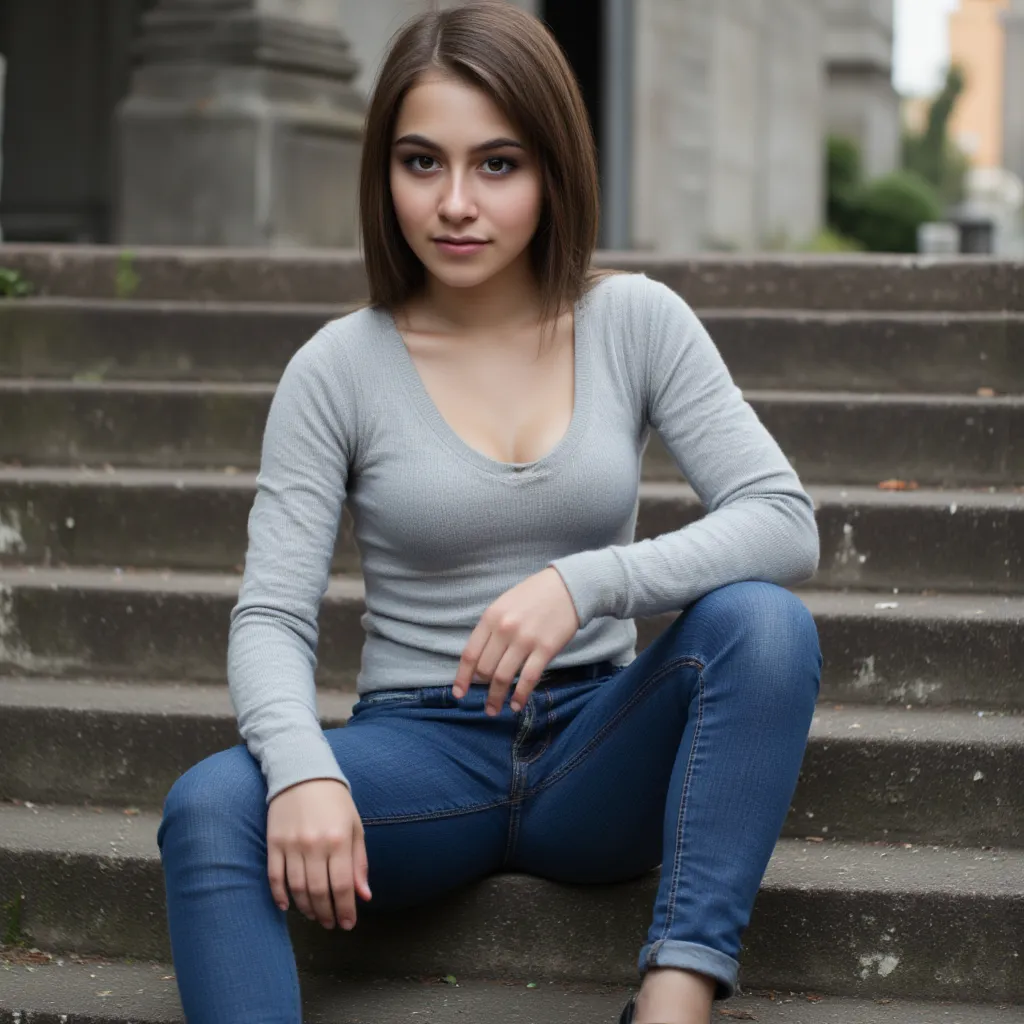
{"x":628,"y":1011}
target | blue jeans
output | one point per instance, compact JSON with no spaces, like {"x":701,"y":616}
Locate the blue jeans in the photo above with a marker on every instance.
{"x":688,"y":758}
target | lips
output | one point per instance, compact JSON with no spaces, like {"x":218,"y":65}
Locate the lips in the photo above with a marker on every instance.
{"x":461,"y":241}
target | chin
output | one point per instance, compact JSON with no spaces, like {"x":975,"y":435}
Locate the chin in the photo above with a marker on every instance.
{"x":461,"y":277}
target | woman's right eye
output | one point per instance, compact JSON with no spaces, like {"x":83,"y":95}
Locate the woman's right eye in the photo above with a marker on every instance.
{"x":412,"y":162}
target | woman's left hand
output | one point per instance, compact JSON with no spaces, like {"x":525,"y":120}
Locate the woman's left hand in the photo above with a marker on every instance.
{"x":518,"y":635}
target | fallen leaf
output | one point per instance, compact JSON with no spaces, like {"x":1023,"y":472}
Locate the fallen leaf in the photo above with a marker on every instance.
{"x":813,"y":839}
{"x":898,"y":485}
{"x":986,"y":393}
{"x":131,"y":811}
{"x":737,"y":1014}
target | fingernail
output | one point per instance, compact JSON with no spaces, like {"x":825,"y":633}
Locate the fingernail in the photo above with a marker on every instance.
{"x":347,"y":925}
{"x":515,"y":706}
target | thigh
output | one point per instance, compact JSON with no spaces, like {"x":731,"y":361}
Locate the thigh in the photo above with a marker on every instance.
{"x":736,"y":673}
{"x":431,"y":789}
{"x":595,"y":808}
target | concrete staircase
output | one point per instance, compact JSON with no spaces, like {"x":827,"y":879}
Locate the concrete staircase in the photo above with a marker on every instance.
{"x":133,"y":394}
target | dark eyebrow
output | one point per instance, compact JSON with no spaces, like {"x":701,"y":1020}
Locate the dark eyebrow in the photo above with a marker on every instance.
{"x":425,"y":143}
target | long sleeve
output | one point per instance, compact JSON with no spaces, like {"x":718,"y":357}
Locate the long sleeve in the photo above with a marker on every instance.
{"x":293,"y":525}
{"x":760,"y":522}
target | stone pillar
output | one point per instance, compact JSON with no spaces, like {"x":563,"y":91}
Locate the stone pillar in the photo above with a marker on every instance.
{"x":1013,"y":89}
{"x":729,"y":124}
{"x":736,"y":121}
{"x":672,"y":124}
{"x":241,"y":127}
{"x":791,"y":182}
{"x":3,"y":77}
{"x":862,"y":101}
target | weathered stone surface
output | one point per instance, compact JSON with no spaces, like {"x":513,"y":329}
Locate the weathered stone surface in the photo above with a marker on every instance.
{"x":859,"y":439}
{"x":146,"y":994}
{"x":868,"y":774}
{"x":110,"y":339}
{"x":866,"y":921}
{"x":853,"y":282}
{"x":241,"y":127}
{"x":195,"y":521}
{"x":733,"y":160}
{"x":936,"y":650}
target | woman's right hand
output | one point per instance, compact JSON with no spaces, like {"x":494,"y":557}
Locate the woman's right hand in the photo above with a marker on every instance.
{"x":315,"y":844}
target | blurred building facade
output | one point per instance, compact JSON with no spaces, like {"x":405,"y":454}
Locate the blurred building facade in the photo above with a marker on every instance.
{"x":237,"y":122}
{"x":862,"y":102}
{"x":977,"y":44}
{"x":1013,"y":88}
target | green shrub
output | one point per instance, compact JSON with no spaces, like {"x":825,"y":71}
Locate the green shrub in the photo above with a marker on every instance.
{"x":842,"y":181}
{"x":13,"y":285}
{"x":931,"y":152}
{"x":887,"y":211}
{"x":828,"y":240}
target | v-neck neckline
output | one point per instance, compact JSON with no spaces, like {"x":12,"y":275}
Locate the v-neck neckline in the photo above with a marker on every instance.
{"x":417,"y":390}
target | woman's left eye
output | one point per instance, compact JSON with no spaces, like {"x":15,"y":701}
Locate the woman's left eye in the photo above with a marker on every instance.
{"x":500,"y":160}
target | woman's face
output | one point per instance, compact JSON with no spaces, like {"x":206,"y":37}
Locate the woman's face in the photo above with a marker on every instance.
{"x":465,"y":175}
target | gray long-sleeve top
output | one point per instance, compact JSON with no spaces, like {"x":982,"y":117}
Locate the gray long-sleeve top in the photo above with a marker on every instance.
{"x":444,"y":530}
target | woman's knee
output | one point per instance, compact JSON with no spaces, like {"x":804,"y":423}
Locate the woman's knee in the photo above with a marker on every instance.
{"x":205,"y":799}
{"x":763,"y":624}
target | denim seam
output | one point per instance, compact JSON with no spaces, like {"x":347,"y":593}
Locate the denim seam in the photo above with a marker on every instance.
{"x":681,"y":827}
{"x":549,"y":718}
{"x":431,"y":815}
{"x":518,"y":773}
{"x":598,"y":738}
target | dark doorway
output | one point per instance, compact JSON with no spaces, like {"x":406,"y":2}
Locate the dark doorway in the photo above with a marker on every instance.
{"x":578,"y":26}
{"x":68,"y":66}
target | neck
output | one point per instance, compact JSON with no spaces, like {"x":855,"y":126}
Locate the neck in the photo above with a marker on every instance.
{"x":506,"y":302}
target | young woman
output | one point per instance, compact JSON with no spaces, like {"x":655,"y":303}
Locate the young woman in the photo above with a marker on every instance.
{"x":485,"y":418}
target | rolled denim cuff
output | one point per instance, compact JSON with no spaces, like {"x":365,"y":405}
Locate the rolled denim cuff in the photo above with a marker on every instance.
{"x":693,"y":957}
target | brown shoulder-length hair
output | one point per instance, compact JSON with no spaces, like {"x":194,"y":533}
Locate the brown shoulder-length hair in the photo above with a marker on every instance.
{"x":512,"y":57}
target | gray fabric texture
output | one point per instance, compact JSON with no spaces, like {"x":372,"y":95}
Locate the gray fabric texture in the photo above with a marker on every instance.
{"x":444,"y":530}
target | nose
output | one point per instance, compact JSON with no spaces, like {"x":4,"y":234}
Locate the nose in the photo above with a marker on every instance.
{"x":457,"y":202}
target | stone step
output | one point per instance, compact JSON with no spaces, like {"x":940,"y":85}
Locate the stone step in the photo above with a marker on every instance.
{"x":197,"y":520}
{"x":934,"y":440}
{"x":110,"y":339}
{"x":770,"y":281}
{"x":936,"y":776}
{"x":104,"y":991}
{"x":879,"y":648}
{"x":864,"y":920}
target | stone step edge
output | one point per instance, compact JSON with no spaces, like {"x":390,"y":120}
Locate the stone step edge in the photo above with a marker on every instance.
{"x":819,"y":281}
{"x":337,"y":309}
{"x":842,"y":723}
{"x":895,"y":603}
{"x":105,"y":991}
{"x":969,"y":403}
{"x":845,"y":495}
{"x":114,"y":836}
